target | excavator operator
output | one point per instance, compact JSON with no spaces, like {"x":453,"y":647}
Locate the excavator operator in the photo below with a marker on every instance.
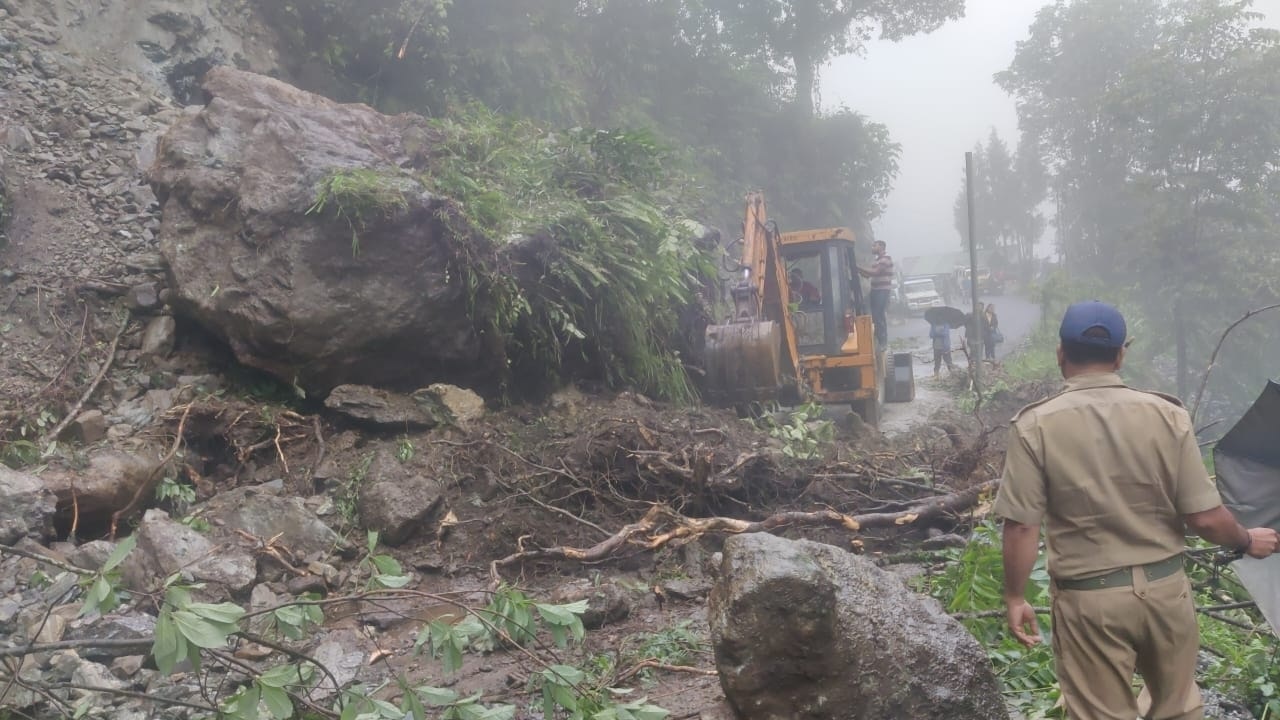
{"x":803,"y":291}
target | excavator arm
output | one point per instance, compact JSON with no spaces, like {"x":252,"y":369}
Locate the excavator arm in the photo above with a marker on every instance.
{"x":754,"y":355}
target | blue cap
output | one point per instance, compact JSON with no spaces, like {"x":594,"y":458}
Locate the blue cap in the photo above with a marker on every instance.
{"x":1084,"y":316}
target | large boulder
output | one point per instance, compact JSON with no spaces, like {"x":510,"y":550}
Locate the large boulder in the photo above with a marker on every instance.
{"x":806,"y":630}
{"x":26,"y":507}
{"x":107,"y":484}
{"x":253,"y":258}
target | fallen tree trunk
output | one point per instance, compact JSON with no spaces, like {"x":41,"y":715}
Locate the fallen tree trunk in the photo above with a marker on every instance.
{"x":662,"y":525}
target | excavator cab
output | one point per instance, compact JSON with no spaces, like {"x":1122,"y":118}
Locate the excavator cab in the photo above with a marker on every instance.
{"x":800,"y":326}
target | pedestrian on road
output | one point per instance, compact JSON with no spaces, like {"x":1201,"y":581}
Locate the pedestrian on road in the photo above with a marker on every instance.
{"x":991,"y":334}
{"x":881,"y":275}
{"x":1115,"y":476}
{"x":940,"y":333}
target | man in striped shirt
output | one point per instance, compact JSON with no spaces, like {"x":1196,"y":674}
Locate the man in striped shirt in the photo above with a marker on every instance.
{"x":881,"y":275}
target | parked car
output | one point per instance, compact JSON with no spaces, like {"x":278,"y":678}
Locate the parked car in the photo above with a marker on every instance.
{"x":920,"y":294}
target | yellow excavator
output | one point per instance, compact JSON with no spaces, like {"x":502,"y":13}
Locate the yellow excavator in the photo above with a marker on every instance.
{"x":800,"y":327}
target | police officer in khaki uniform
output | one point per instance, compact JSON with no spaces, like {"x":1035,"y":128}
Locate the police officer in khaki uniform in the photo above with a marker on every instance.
{"x":1115,"y":476}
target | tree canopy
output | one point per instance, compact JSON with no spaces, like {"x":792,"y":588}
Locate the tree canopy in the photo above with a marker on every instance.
{"x":1160,"y":123}
{"x":691,"y":70}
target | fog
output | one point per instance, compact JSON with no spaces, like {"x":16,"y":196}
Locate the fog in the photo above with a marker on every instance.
{"x":936,"y":94}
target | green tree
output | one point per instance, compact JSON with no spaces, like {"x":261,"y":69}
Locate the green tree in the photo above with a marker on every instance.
{"x":1008,"y":190}
{"x":802,"y":35}
{"x":1158,"y":121}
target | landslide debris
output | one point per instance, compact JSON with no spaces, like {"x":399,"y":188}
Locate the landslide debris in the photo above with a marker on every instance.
{"x":329,"y":244}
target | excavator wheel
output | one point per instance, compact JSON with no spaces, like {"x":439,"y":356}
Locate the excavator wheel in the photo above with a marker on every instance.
{"x":743,"y":363}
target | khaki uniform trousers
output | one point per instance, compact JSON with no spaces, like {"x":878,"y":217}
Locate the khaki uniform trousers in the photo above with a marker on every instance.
{"x":1100,"y":637}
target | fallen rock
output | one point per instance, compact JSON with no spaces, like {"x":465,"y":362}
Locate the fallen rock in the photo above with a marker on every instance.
{"x":145,"y":296}
{"x":18,"y":139}
{"x":377,"y":407}
{"x":464,"y":406}
{"x":91,"y":555}
{"x":159,"y":337}
{"x":802,"y":629}
{"x":127,"y":666}
{"x":606,"y":603}
{"x":89,"y":427}
{"x":396,"y":502}
{"x":166,"y":546}
{"x":106,"y":485}
{"x":332,"y":653}
{"x":26,"y":507}
{"x":285,"y":287}
{"x":111,"y":627}
{"x":266,"y":515}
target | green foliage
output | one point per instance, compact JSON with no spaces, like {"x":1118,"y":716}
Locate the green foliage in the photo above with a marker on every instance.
{"x":360,"y":197}
{"x":18,"y":447}
{"x":185,"y":627}
{"x":675,"y":645}
{"x":804,"y":34}
{"x":805,"y":432}
{"x":1155,"y":117}
{"x":974,"y":581}
{"x":180,"y":494}
{"x":384,"y":571}
{"x":455,"y":707}
{"x":272,"y":689}
{"x":294,"y":622}
{"x":1008,"y":191}
{"x":510,"y":617}
{"x":347,"y":499}
{"x":404,"y":449}
{"x":102,"y":589}
{"x":597,"y":273}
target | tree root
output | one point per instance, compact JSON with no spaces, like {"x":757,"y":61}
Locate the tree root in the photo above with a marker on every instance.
{"x":662,"y":525}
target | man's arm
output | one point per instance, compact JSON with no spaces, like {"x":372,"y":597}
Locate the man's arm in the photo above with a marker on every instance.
{"x":1220,"y":526}
{"x":1021,"y":546}
{"x":1022,"y":501}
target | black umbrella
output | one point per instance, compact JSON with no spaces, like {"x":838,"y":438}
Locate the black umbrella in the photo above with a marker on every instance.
{"x":1247,"y":462}
{"x":949,"y":315}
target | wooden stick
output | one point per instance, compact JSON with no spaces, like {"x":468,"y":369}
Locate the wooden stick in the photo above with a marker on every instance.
{"x":1213,"y":359}
{"x":88,"y":393}
{"x":148,"y":485}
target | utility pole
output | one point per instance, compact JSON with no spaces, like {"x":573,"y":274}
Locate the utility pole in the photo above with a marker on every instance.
{"x":975,"y":343}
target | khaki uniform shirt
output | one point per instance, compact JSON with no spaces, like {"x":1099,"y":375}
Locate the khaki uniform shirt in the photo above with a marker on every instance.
{"x":1109,"y":470}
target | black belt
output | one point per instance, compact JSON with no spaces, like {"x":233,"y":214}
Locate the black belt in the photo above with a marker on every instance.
{"x":1124,"y":576}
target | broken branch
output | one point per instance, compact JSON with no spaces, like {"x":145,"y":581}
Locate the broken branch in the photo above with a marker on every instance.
{"x":645,"y":531}
{"x":89,"y":391}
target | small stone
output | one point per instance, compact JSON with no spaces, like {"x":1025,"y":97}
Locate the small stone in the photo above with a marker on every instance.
{"x":18,"y":139}
{"x":91,"y":555}
{"x":127,"y":666}
{"x":159,"y":337}
{"x":89,"y":427}
{"x":302,"y":584}
{"x":144,"y":297}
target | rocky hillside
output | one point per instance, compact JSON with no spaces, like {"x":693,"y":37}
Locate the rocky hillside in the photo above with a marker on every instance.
{"x":241,"y":485}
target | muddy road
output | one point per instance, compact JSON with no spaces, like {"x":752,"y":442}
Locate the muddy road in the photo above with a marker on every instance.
{"x":1018,"y":317}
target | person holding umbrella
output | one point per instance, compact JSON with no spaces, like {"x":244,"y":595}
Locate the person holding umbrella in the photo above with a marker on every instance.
{"x":941,"y":320}
{"x":1115,"y":477}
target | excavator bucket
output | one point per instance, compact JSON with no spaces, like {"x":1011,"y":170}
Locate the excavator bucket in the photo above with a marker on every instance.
{"x":743,"y":362}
